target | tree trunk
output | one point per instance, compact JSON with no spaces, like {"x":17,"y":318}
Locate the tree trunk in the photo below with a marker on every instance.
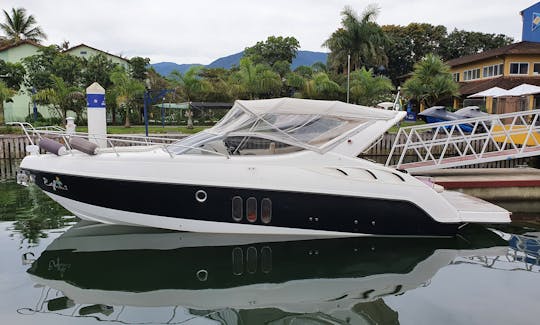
{"x":190,"y":119}
{"x":2,"y":113}
{"x":127,"y":124}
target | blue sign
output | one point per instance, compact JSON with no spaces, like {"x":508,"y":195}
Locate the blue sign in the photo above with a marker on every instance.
{"x":411,"y":116}
{"x":95,"y":100}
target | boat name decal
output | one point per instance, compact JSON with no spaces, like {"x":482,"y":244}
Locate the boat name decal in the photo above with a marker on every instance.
{"x":56,"y":265}
{"x":56,"y":184}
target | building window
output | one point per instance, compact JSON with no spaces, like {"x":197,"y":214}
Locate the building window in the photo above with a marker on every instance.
{"x":519,"y":68}
{"x":536,"y":68}
{"x":83,"y":52}
{"x":492,"y":70}
{"x":455,"y":76}
{"x":471,"y":74}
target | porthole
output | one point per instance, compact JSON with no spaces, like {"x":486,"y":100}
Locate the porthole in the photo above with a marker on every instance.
{"x":237,"y":208}
{"x":201,"y":196}
{"x":237,"y":261}
{"x":251,"y":257}
{"x":251,"y":209}
{"x":266,"y":210}
{"x":202,"y":275}
{"x":266,"y":259}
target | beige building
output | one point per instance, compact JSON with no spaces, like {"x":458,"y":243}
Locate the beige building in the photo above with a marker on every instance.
{"x":505,"y":67}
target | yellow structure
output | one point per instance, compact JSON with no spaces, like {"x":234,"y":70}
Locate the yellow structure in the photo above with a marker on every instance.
{"x":505,"y":67}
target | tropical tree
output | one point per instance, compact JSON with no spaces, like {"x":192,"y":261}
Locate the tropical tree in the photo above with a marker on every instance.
{"x":62,"y":97}
{"x":360,"y":37}
{"x":367,"y":89}
{"x":254,"y":81}
{"x":12,"y":74}
{"x":409,"y":44}
{"x":5,"y":95}
{"x":190,"y":85}
{"x":273,"y":50}
{"x":431,"y":81}
{"x":320,"y":86}
{"x":19,"y":26}
{"x":460,"y":43}
{"x":125,"y":90}
{"x":98,"y":69}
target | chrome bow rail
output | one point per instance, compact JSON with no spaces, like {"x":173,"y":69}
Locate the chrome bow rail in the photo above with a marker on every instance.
{"x":468,"y":141}
{"x":116,"y":143}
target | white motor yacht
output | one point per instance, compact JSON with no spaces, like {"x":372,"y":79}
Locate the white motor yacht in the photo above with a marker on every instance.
{"x":274,"y":166}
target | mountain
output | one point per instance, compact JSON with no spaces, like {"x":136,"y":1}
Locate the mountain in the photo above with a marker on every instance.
{"x":302,"y":58}
{"x":165,"y":68}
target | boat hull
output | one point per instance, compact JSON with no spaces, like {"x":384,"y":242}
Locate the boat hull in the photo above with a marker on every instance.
{"x":177,"y":207}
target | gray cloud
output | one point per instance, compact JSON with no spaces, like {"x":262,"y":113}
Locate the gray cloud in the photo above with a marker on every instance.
{"x":201,"y":31}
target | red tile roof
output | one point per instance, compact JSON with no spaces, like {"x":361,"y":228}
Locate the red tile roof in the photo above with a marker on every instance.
{"x":10,"y":45}
{"x":516,"y":48}
{"x":473,"y":87}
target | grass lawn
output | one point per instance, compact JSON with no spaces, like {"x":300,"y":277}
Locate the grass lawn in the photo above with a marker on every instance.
{"x":395,"y":128}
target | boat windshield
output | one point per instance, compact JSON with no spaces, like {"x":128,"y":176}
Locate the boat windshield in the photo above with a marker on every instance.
{"x":248,"y":127}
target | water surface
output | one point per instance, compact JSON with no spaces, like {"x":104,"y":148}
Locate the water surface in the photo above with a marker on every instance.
{"x":56,"y":270}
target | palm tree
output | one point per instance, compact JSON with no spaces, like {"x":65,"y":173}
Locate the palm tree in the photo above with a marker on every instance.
{"x":62,"y":97}
{"x":320,"y":86}
{"x":18,"y":26}
{"x":5,"y":95}
{"x":367,"y":89}
{"x":125,"y":90}
{"x":191,"y":85}
{"x":360,"y":37}
{"x":431,"y":81}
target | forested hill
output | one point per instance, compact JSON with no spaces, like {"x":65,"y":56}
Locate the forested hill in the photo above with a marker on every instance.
{"x":302,"y":58}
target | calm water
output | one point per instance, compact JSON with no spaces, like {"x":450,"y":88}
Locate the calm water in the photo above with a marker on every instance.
{"x":57,"y":271}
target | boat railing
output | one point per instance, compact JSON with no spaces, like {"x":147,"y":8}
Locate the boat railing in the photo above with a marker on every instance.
{"x":116,"y":143}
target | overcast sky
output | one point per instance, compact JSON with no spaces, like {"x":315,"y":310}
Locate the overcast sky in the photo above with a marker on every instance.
{"x":203,"y":30}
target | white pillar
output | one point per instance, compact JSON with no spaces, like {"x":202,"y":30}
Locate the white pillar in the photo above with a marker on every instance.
{"x":97,"y":119}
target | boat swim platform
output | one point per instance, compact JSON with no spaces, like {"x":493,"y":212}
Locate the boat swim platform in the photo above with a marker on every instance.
{"x":493,"y":137}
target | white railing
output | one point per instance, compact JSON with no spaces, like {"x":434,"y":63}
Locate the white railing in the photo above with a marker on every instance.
{"x":117,"y":143}
{"x":467,"y":141}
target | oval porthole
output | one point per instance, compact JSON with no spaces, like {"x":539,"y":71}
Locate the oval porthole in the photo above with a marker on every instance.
{"x":201,"y":196}
{"x":237,"y":208}
{"x":251,"y":209}
{"x":238,"y":261}
{"x":266,"y":210}
{"x":251,"y":259}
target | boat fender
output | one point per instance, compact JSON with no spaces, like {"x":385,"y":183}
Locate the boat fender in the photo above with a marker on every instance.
{"x":83,"y":145}
{"x":52,"y":146}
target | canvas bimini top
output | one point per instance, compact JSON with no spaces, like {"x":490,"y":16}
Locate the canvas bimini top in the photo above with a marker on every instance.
{"x":303,"y":123}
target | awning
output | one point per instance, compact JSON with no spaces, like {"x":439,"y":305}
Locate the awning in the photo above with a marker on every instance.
{"x":491,"y":92}
{"x":521,"y":90}
{"x":173,"y":105}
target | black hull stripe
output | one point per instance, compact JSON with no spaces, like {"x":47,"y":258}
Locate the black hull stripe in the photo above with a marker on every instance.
{"x":289,"y":209}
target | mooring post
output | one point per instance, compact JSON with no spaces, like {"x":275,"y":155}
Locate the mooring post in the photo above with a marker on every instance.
{"x":97,"y":119}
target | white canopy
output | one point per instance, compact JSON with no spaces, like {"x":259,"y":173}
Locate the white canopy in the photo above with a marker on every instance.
{"x":522,"y":90}
{"x":297,"y":106}
{"x":491,"y":92}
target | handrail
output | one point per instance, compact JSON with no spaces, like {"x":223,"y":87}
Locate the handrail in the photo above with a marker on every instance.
{"x":165,"y":143}
{"x":512,"y":134}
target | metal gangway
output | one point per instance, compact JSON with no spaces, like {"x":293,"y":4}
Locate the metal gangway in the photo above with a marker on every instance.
{"x":463,"y":142}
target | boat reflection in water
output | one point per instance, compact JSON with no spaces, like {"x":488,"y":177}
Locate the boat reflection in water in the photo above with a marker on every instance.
{"x":137,"y":275}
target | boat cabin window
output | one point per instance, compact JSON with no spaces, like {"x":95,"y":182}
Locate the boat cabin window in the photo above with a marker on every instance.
{"x":263,"y":131}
